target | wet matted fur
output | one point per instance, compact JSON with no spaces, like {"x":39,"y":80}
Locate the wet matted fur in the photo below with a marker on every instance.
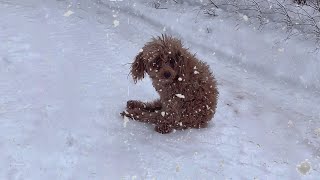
{"x":188,"y":91}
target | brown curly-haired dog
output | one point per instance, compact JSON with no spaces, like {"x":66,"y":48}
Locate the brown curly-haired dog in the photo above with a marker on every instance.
{"x":188,"y":91}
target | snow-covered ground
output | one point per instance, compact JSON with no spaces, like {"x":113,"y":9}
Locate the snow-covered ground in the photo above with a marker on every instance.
{"x":64,"y":80}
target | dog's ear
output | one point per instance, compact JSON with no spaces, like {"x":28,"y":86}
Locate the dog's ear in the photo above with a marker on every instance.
{"x":138,"y":68}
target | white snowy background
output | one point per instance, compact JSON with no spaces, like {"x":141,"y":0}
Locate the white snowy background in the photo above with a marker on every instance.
{"x":64,"y":79}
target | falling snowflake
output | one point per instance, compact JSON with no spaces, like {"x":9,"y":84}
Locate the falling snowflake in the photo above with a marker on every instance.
{"x":177,"y":168}
{"x":174,"y":131}
{"x":141,"y":50}
{"x":290,"y":123}
{"x":164,"y":29}
{"x":245,"y":18}
{"x":180,"y":96}
{"x":163,"y":113}
{"x":116,"y":23}
{"x":68,"y":13}
{"x":317,"y":132}
{"x":179,"y":79}
{"x":196,"y":72}
{"x":304,"y":167}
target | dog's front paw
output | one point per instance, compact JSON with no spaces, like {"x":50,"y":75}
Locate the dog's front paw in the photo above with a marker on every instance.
{"x":132,"y":113}
{"x":123,"y":114}
{"x":163,"y":128}
{"x":126,"y":114}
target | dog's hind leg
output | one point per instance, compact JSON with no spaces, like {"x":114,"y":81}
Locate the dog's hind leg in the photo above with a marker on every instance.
{"x":163,"y":128}
{"x":142,"y":115}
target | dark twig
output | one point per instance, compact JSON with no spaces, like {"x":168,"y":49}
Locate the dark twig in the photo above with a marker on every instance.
{"x":211,"y":1}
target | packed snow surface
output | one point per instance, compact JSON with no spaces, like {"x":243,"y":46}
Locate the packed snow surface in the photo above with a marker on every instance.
{"x":64,"y":79}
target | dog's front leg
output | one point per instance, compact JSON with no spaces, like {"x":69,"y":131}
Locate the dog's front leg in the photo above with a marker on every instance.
{"x":142,"y":115}
{"x":159,"y":118}
{"x":150,"y":106}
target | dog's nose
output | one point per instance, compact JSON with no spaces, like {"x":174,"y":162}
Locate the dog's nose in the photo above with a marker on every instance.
{"x":167,"y":74}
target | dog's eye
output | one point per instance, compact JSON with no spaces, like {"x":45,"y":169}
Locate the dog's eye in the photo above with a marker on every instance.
{"x":172,"y":63}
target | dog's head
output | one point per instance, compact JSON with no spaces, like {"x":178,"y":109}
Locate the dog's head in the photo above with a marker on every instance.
{"x":163,"y":59}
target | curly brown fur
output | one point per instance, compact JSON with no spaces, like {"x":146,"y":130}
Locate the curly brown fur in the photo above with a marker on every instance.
{"x":188,"y":91}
